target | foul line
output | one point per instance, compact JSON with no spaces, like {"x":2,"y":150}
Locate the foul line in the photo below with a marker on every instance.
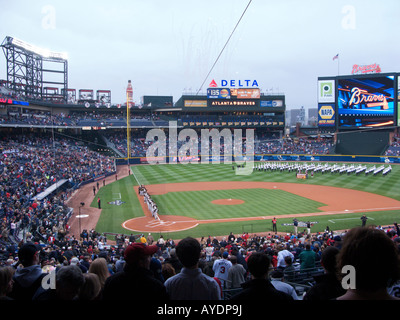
{"x":137,"y":180}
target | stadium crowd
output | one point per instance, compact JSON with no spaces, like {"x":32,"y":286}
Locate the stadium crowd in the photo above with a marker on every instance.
{"x":233,"y":267}
{"x":29,"y":168}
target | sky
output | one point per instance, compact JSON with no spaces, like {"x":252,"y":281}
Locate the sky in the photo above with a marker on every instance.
{"x":169,"y":47}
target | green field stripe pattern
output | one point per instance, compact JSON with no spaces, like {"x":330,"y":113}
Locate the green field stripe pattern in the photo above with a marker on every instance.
{"x":197,"y":204}
{"x":388,"y":185}
{"x":257,"y":202}
{"x":113,"y":215}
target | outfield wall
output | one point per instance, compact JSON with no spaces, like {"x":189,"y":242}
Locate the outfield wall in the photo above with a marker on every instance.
{"x":280,"y":157}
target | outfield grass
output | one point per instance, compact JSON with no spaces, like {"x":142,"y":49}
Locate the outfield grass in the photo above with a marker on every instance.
{"x":257,"y":202}
{"x":198,"y":204}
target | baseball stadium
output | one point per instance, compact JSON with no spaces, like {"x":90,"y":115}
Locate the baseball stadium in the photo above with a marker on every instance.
{"x":75,"y":166}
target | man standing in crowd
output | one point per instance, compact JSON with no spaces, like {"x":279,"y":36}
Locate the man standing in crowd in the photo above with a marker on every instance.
{"x":259,"y":287}
{"x":191,"y":283}
{"x":28,"y":276}
{"x":136,"y":278}
{"x":236,"y":274}
{"x":221,"y":268}
{"x":307,"y":258}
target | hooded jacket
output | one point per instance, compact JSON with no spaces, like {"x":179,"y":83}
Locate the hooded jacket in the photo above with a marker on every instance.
{"x":26,"y":281}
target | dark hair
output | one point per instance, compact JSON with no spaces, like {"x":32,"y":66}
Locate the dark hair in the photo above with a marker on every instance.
{"x":373,"y":255}
{"x":288,"y":260}
{"x":328,"y":258}
{"x":188,"y":251}
{"x":258,"y":264}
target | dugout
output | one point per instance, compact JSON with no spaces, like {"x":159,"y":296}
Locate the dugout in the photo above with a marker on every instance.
{"x":362,"y":142}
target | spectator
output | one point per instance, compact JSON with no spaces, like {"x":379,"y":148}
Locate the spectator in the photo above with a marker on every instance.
{"x":191,"y":283}
{"x":120,"y":263}
{"x":277,"y":281}
{"x":337,"y":242}
{"x":290,"y":270}
{"x":174,"y":261}
{"x":282,"y":254}
{"x":236,"y":274}
{"x":136,"y":281}
{"x":167,"y":270}
{"x":327,"y":286}
{"x":99,"y":267}
{"x":307,"y":258}
{"x":6,"y":282}
{"x":259,"y":287}
{"x":376,"y":262}
{"x":221,"y":268}
{"x":28,"y":276}
{"x":75,"y":261}
{"x":91,"y":289}
{"x":69,"y":281}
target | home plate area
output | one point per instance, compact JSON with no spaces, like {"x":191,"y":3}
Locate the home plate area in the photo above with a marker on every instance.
{"x":167,"y":223}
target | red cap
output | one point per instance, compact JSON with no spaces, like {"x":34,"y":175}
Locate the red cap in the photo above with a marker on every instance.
{"x":137,"y":251}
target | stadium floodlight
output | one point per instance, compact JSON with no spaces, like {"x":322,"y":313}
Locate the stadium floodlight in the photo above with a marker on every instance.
{"x":45,"y":53}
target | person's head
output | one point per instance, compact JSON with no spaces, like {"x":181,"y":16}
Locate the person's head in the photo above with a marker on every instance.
{"x":100,"y":268}
{"x":258,"y":264}
{"x":188,"y":252}
{"x":233,"y":259}
{"x":74,"y":261}
{"x":91,"y":288}
{"x":69,"y":280}
{"x":167,"y":270}
{"x":288,"y":261}
{"x":373,"y":255}
{"x":139,"y":255}
{"x":29,"y":254}
{"x":328,"y":259}
{"x":6,"y":281}
{"x":308,"y":246}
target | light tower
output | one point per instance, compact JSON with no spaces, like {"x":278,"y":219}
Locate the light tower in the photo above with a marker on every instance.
{"x":129,"y":100}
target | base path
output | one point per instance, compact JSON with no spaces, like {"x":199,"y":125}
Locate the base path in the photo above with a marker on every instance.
{"x":337,"y":200}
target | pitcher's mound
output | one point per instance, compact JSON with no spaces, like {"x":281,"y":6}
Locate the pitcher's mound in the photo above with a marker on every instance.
{"x":227,"y":202}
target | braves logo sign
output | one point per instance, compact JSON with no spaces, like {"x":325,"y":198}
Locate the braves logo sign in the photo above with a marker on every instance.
{"x":360,"y":96}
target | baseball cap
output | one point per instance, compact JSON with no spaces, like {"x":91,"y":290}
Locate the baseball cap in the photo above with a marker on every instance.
{"x":137,"y":251}
{"x":337,"y":238}
{"x":225,"y":254}
{"x":74,"y":261}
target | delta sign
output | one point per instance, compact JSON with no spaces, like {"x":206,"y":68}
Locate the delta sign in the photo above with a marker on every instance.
{"x":234,"y":83}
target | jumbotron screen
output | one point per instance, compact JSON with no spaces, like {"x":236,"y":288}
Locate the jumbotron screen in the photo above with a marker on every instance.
{"x":366,"y":101}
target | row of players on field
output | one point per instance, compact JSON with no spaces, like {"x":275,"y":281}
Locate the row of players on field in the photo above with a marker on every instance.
{"x":151,"y":205}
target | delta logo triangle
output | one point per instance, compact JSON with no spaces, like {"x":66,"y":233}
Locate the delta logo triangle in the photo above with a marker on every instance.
{"x":212,"y":84}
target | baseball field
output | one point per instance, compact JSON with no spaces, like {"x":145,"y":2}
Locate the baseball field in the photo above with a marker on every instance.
{"x":211,"y":199}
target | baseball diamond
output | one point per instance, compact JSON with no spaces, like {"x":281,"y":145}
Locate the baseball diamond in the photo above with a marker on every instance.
{"x":191,"y":207}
